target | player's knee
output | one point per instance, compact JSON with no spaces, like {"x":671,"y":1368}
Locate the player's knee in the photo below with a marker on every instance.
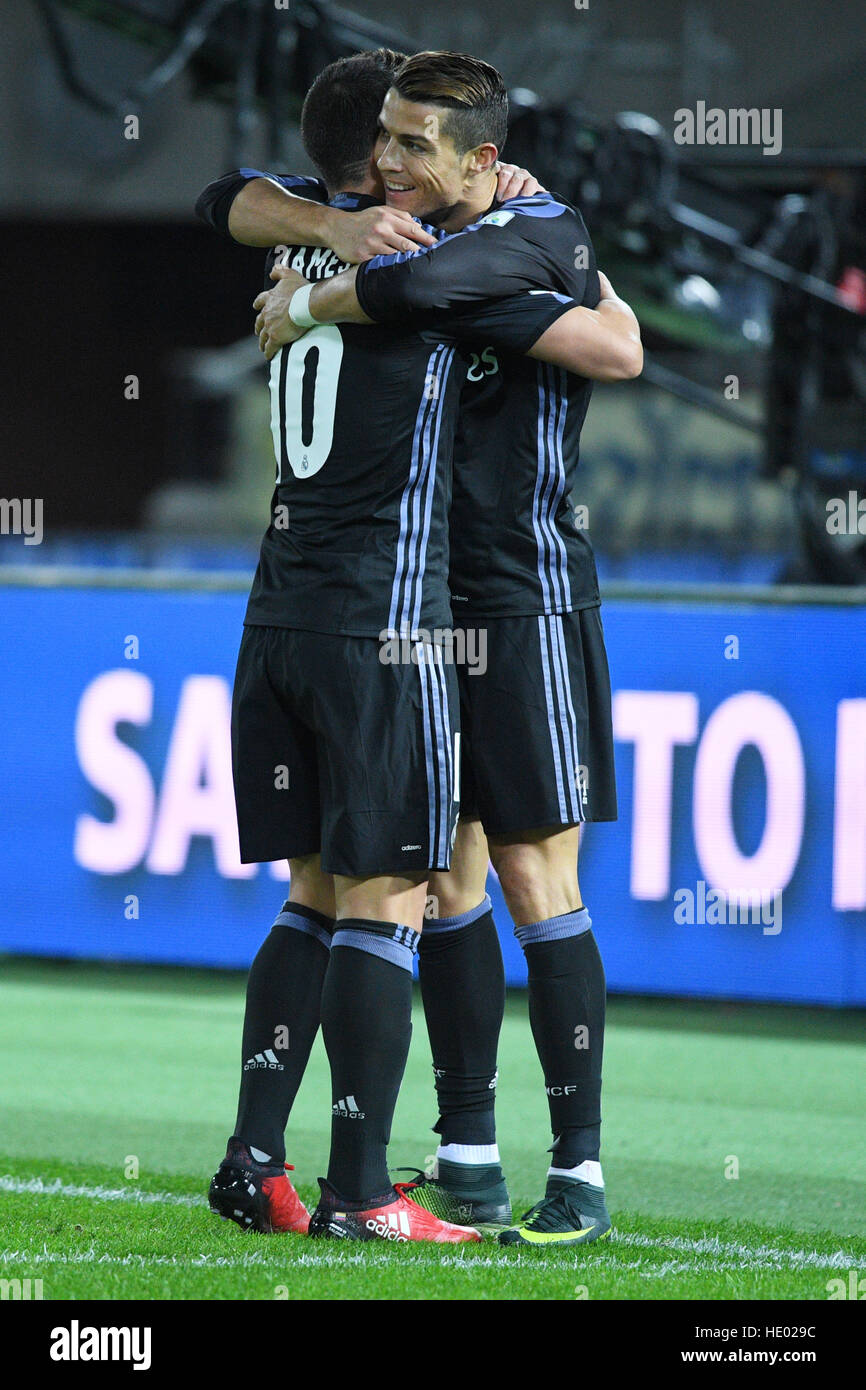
{"x":310,"y":886}
{"x":462,"y":888}
{"x":446,"y":899}
{"x":450,"y":894}
{"x":522,"y":879}
{"x":536,"y":885}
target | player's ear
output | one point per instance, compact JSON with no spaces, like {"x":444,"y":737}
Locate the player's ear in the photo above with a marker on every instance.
{"x":482,"y":159}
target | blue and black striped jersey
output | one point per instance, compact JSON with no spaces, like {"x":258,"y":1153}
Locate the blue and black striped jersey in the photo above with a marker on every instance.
{"x":515,"y":546}
{"x":363,"y":421}
{"x":214,"y":202}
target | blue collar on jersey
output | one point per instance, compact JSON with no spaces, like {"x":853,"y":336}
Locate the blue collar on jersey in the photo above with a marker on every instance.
{"x":351,"y":202}
{"x":542,"y":204}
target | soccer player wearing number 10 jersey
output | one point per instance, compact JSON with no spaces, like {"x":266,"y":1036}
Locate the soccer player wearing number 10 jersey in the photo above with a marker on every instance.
{"x":363,"y":422}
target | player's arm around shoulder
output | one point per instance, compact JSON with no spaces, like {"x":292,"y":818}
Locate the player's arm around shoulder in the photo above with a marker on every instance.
{"x":261,"y":209}
{"x":603,"y":343}
{"x":257,"y":208}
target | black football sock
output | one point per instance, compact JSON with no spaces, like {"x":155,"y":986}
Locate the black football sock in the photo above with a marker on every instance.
{"x":566,"y":1012}
{"x":280,"y":1024}
{"x":366,"y":1025}
{"x":463,"y":988}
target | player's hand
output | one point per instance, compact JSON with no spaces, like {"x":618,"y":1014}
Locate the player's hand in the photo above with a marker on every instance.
{"x":273,"y":325}
{"x":606,"y":289}
{"x":516,"y":183}
{"x":380,"y":231}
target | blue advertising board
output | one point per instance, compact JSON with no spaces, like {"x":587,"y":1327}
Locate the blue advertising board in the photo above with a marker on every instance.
{"x":737,"y":867}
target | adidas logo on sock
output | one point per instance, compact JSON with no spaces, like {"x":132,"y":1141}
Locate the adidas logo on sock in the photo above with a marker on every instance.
{"x":396,"y":1227}
{"x":348,"y":1109}
{"x":267,"y":1060}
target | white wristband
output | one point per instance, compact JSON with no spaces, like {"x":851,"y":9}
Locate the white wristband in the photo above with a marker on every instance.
{"x":299,"y":308}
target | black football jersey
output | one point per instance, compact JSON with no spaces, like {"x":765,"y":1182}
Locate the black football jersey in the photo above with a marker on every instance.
{"x":363,"y":421}
{"x":517,"y":543}
{"x":214,"y":202}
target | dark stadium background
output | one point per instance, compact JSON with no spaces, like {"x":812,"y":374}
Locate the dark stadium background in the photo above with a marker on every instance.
{"x":98,"y":231}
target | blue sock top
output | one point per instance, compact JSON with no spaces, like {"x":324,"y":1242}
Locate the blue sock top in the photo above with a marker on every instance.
{"x":463,"y":919}
{"x":306,"y":920}
{"x":554,"y":928}
{"x":389,"y":941}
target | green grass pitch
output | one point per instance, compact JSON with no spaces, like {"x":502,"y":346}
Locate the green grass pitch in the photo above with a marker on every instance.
{"x":115,"y":1071}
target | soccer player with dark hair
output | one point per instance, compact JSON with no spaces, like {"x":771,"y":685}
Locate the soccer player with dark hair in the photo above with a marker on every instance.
{"x":357,"y":545}
{"x":537,"y":737}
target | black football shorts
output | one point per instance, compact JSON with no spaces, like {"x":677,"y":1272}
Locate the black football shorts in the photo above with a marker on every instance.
{"x":336,"y":751}
{"x":537,"y":734}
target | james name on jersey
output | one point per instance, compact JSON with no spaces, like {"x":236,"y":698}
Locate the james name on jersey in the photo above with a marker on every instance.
{"x":313,"y":262}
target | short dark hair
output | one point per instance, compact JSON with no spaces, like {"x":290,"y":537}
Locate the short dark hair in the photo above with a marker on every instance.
{"x":340,"y":115}
{"x":472,"y":90}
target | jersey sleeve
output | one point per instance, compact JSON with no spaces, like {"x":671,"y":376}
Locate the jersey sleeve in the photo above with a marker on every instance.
{"x":506,"y":252}
{"x":214,"y":202}
{"x":514,"y":323}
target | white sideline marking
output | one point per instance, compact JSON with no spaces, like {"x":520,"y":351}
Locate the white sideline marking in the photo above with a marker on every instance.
{"x":724,"y":1254}
{"x":336,"y":1259}
{"x":757,"y":1255}
{"x":369,"y":1257}
{"x":56,"y":1188}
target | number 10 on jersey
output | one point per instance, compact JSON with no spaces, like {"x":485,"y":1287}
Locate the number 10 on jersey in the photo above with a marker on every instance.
{"x":304,"y":379}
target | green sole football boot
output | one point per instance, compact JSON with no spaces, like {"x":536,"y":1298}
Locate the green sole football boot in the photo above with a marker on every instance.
{"x":570,"y":1213}
{"x":465,"y":1195}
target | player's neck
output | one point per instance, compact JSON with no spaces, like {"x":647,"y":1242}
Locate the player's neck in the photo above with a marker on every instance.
{"x":476,"y":203}
{"x":358,"y":186}
{"x":354,"y":193}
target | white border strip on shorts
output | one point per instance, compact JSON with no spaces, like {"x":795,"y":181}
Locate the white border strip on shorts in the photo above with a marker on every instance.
{"x":559,"y":708}
{"x":437,"y":750}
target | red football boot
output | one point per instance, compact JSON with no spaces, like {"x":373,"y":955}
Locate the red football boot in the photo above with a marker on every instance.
{"x":390,"y":1216}
{"x":257,"y":1196}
